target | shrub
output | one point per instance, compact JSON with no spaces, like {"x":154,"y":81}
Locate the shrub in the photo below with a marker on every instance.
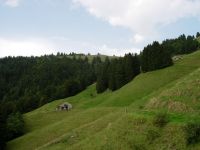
{"x":161,"y":119}
{"x":192,"y":130}
{"x":15,"y":126}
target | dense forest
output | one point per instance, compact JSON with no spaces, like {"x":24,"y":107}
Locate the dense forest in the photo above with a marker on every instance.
{"x":113,"y":74}
{"x":27,"y":83}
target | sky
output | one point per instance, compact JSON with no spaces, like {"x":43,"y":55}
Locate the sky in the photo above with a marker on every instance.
{"x":110,"y":27}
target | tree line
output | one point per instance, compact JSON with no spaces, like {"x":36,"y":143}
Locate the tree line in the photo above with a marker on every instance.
{"x":113,"y":74}
{"x":182,"y":45}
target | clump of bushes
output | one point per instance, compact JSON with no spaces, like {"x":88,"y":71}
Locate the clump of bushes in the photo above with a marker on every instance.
{"x":160,"y":120}
{"x":14,"y":126}
{"x":192,"y":131}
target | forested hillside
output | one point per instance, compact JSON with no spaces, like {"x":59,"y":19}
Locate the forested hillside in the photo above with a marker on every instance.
{"x":27,"y":83}
{"x":157,"y":110}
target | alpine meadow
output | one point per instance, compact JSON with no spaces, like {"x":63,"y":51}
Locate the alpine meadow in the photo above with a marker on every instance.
{"x":99,"y":75}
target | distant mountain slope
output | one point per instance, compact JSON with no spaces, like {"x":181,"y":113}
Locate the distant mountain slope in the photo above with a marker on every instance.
{"x":122,"y":119}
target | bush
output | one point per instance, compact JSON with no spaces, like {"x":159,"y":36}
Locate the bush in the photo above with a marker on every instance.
{"x":161,"y":119}
{"x":152,"y":135}
{"x":2,"y":134}
{"x":192,"y":130}
{"x":15,"y":126}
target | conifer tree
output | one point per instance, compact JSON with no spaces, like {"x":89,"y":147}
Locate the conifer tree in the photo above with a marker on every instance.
{"x":103,"y":76}
{"x":197,"y":35}
{"x":119,"y":74}
{"x":111,"y":79}
{"x":155,"y":57}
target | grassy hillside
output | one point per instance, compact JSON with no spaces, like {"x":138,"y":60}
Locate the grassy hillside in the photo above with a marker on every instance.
{"x":122,"y":119}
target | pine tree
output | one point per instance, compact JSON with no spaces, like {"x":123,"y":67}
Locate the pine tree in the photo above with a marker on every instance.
{"x":136,"y":65}
{"x":103,"y":76}
{"x":111,"y":79}
{"x":197,"y":35}
{"x":155,"y":57}
{"x":131,"y":66}
{"x":119,"y":74}
{"x":128,"y":67}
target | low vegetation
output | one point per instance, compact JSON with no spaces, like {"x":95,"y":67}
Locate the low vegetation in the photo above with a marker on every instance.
{"x":152,"y":135}
{"x":192,"y":130}
{"x":15,"y":125}
{"x":160,"y":120}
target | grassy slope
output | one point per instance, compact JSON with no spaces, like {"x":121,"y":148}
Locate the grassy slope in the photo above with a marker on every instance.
{"x":121,"y":119}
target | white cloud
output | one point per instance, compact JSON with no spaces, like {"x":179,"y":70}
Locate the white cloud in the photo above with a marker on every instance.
{"x":143,"y":17}
{"x":28,"y":47}
{"x":41,"y":46}
{"x":68,"y":45}
{"x":12,"y":3}
{"x":116,"y":51}
{"x":137,"y":38}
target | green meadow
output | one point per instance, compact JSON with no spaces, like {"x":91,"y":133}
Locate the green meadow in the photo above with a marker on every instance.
{"x":124,"y":119}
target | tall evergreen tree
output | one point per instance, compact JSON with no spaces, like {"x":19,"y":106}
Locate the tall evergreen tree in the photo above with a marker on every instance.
{"x":131,"y":66}
{"x":197,"y":35}
{"x":128,"y":67}
{"x":155,"y":57}
{"x":136,"y":65}
{"x":103,"y":76}
{"x":111,"y":75}
{"x":120,"y":74}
